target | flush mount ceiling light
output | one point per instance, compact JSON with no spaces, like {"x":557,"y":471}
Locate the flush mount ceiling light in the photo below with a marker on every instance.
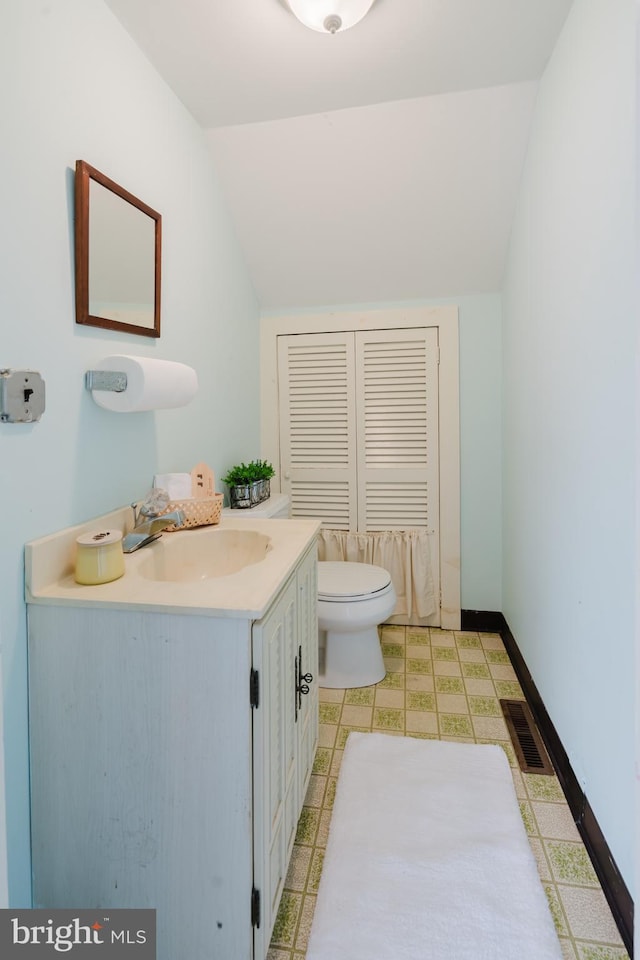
{"x":330,"y":16}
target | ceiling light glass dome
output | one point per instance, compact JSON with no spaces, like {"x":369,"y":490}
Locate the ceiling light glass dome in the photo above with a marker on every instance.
{"x":330,"y":16}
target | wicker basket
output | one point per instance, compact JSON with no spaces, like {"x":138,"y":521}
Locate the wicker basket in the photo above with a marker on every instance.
{"x":197,"y":513}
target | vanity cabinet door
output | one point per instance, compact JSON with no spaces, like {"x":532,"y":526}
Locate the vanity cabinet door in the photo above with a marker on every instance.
{"x":274,"y":758}
{"x":285,"y":734}
{"x":307,"y":653}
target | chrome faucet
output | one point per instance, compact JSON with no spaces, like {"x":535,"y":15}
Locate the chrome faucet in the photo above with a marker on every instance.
{"x":150,"y":529}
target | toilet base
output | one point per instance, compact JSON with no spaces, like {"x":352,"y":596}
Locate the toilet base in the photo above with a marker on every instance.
{"x":351,"y":659}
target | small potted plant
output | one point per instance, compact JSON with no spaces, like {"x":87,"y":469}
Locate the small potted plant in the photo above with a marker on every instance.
{"x":249,"y":483}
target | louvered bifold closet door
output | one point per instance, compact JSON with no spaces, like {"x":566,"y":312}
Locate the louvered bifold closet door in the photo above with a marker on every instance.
{"x":316,"y":379}
{"x":397,"y":429}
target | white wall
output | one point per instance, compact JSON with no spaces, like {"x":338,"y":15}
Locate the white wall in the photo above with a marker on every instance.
{"x":481,"y":451}
{"x":397,"y":200}
{"x":569,"y":343}
{"x":74,"y":86}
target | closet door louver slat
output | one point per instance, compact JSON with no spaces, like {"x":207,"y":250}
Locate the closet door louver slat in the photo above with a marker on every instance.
{"x":359,"y":428}
{"x":397,"y":429}
{"x":315,"y":378}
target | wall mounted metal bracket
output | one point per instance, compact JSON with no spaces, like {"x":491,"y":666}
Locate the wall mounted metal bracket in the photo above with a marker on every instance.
{"x":111,"y":380}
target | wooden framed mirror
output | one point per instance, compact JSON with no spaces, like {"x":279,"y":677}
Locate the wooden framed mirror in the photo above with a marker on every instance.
{"x":118,"y":241}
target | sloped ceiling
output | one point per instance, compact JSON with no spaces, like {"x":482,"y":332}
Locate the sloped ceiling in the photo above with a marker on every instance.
{"x":380,"y":164}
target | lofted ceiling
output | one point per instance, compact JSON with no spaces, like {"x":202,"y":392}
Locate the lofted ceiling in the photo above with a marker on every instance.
{"x":376,"y":165}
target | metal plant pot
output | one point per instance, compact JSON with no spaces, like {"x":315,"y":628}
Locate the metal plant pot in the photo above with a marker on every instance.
{"x":240,"y":496}
{"x":247,"y":495}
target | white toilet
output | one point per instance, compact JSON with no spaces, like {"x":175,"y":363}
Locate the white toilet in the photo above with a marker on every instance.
{"x":353,"y":598}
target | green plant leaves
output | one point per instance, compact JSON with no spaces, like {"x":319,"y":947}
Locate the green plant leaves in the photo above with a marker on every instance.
{"x":248,"y":473}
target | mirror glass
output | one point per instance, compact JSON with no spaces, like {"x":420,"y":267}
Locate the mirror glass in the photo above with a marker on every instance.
{"x":117,"y":256}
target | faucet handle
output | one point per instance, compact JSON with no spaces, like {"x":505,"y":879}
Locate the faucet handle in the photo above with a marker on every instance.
{"x":154,"y":503}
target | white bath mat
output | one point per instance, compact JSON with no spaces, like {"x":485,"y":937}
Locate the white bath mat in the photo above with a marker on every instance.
{"x":428,"y":859}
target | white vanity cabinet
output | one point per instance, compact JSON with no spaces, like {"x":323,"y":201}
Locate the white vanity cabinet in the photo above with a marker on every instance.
{"x":170,"y":755}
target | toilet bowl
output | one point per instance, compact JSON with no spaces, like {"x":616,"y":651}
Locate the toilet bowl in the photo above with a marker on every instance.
{"x":353,"y":598}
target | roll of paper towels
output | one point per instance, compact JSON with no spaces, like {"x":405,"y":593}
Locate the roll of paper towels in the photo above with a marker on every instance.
{"x":151,"y":384}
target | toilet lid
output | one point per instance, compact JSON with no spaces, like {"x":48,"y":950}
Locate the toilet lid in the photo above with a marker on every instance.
{"x":343,"y":580}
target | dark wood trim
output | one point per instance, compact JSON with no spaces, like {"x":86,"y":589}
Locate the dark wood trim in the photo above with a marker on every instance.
{"x":613,"y":885}
{"x":482,"y":621}
{"x":85,"y":173}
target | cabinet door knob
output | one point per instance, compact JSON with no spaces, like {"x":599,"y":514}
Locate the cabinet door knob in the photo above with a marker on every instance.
{"x":303,"y":688}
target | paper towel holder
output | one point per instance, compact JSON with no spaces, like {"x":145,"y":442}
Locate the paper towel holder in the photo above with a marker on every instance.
{"x":114,"y":381}
{"x":128,"y":384}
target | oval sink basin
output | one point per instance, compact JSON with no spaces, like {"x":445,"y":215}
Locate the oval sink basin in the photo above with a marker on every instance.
{"x":199,"y":555}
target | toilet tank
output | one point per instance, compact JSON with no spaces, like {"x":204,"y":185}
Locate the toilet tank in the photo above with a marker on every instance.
{"x":277,"y":507}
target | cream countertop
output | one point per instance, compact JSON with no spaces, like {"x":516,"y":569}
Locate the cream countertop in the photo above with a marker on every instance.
{"x":49,"y":566}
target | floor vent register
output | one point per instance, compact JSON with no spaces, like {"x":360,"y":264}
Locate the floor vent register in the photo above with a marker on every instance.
{"x":527,"y":742}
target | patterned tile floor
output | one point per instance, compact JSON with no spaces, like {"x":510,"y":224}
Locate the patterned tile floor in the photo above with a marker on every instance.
{"x":446,"y":685}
